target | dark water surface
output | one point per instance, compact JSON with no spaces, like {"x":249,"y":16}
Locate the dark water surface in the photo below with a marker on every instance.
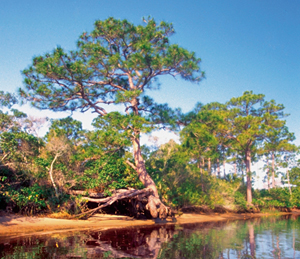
{"x":267,"y":237}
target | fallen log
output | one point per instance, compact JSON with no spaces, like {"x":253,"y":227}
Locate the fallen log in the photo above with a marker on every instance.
{"x":119,"y":195}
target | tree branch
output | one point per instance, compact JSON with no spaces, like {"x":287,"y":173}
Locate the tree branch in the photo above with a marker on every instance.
{"x":130,"y":164}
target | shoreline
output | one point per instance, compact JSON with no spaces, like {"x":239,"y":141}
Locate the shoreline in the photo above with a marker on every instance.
{"x":14,"y":226}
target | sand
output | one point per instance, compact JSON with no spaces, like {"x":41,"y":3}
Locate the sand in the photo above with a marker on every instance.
{"x":12,"y":226}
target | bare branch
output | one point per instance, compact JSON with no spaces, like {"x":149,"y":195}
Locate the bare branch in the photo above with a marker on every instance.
{"x":130,"y":164}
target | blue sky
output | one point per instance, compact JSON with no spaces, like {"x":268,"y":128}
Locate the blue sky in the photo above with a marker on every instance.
{"x":244,"y":45}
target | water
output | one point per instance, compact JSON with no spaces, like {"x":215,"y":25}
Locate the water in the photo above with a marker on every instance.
{"x":266,"y":237}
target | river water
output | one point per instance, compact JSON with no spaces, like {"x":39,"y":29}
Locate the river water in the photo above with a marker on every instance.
{"x":266,"y":237}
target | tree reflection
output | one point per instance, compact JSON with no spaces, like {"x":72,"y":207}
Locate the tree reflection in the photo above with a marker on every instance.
{"x":251,"y":240}
{"x":256,"y":238}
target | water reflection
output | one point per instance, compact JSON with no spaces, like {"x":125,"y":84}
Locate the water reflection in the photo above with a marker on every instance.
{"x":275,"y":237}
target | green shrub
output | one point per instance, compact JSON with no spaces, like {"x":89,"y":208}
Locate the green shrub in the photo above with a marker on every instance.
{"x":240,"y":200}
{"x":275,"y":197}
{"x":30,"y":200}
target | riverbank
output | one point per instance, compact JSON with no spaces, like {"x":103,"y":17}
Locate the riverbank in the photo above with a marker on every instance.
{"x":16,"y":226}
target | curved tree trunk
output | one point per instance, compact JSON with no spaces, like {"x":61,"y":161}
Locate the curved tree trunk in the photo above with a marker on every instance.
{"x":51,"y":174}
{"x":155,"y":206}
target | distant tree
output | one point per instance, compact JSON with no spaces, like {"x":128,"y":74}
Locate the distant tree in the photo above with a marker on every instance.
{"x":278,"y":137}
{"x":68,"y":127}
{"x":200,"y":137}
{"x":18,"y":147}
{"x":114,"y":64}
{"x":289,"y":161}
{"x":294,"y":174}
{"x":251,"y":121}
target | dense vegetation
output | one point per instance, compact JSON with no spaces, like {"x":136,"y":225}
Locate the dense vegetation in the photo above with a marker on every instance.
{"x":116,"y":64}
{"x":37,"y":173}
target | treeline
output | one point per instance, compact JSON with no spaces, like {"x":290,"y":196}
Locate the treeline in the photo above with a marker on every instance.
{"x":37,"y":174}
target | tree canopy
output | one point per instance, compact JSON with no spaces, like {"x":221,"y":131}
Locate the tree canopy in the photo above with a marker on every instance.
{"x":115,"y":63}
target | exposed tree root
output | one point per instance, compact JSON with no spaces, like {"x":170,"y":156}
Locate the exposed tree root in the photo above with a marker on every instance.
{"x":140,"y":199}
{"x":157,"y":208}
{"x":104,"y":202}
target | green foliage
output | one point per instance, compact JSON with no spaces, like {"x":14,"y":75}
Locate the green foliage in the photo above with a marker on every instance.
{"x":295,"y":199}
{"x":274,"y":198}
{"x":180,"y":182}
{"x":239,"y":200}
{"x":295,"y":176}
{"x":19,"y":146}
{"x":68,"y":127}
{"x":7,"y":99}
{"x":114,"y":63}
{"x":107,"y":174}
{"x":201,"y":136}
{"x":29,"y":200}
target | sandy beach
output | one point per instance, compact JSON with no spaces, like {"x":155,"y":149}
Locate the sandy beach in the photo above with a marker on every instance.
{"x":12,"y":226}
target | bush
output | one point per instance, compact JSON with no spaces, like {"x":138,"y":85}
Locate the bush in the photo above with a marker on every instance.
{"x":29,"y":200}
{"x":273,"y":198}
{"x":240,"y":200}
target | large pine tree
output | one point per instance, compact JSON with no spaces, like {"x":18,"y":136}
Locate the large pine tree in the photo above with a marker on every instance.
{"x":114,"y":64}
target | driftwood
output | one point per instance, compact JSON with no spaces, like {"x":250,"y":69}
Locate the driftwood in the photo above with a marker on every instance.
{"x":118,"y":195}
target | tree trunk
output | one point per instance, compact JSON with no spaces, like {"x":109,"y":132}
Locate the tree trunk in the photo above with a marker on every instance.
{"x":201,"y":174}
{"x":268,"y":174}
{"x":218,"y":168}
{"x":248,"y":172}
{"x":242,"y":168}
{"x":234,"y":166}
{"x":224,"y":163}
{"x":202,"y":171}
{"x":288,"y":178}
{"x":51,"y":174}
{"x":209,"y":165}
{"x":155,"y":206}
{"x":273,"y":170}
